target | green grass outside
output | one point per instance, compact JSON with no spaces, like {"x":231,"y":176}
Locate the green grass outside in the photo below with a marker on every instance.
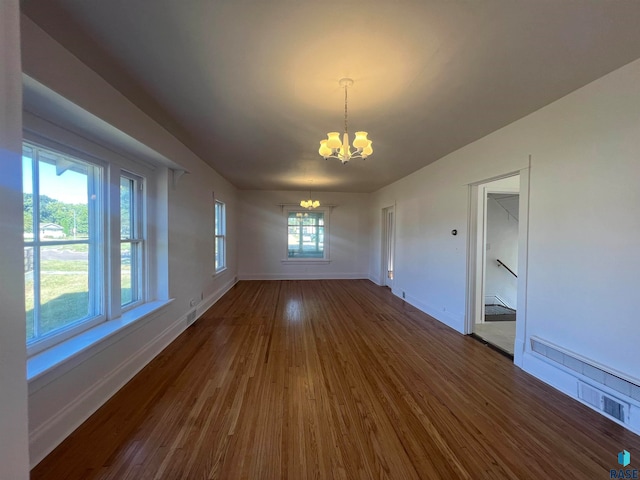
{"x":64,"y":294}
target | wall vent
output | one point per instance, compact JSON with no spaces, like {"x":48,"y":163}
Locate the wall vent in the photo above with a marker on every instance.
{"x":615,"y":408}
{"x":594,"y":372}
{"x":191,"y":317}
{"x":590,"y":395}
{"x":603,"y":402}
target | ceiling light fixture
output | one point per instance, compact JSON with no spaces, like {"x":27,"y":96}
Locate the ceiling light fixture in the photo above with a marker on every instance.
{"x":333,"y":148}
{"x":309,"y":204}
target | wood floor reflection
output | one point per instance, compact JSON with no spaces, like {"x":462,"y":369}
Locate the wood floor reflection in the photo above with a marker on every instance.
{"x":334,"y":379}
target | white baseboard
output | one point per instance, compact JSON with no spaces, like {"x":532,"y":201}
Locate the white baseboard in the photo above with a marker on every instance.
{"x":497,"y":300}
{"x":493,"y":300}
{"x":443,"y":317}
{"x":303,"y":276}
{"x":51,"y":433}
{"x":375,"y":280}
{"x":210,"y":301}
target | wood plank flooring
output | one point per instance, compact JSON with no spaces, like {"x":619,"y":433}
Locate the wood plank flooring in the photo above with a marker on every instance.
{"x":334,"y":379}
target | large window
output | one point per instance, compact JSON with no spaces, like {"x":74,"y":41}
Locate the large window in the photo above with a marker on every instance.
{"x":306,"y":235}
{"x":75,"y":277}
{"x":220,"y":232}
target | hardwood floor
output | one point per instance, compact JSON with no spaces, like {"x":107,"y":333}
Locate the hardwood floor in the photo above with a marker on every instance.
{"x":334,"y":379}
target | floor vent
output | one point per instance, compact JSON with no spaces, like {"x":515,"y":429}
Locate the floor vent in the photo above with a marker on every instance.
{"x":191,"y":317}
{"x":603,"y":402}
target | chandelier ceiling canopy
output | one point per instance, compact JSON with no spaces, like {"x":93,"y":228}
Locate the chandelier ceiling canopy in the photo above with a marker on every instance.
{"x":332,"y":147}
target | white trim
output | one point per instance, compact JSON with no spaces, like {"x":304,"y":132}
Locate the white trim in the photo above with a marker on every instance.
{"x":523,"y":265}
{"x":219,"y":272}
{"x":326,"y":210}
{"x":443,"y":317}
{"x":222,"y":222}
{"x":304,"y":276}
{"x":497,"y":300}
{"x":56,"y":361}
{"x":566,"y":381}
{"x":475,"y":255}
{"x":305,"y":261}
{"x":385,"y":247}
{"x":208,"y":302}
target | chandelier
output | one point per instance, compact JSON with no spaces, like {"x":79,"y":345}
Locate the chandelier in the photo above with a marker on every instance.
{"x":309,"y":204}
{"x":332,"y":147}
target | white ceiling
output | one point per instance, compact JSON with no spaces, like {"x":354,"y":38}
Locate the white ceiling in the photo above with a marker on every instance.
{"x":251,"y":86}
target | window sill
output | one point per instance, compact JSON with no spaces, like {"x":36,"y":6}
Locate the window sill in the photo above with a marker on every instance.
{"x":77,"y":348}
{"x":306,"y":261}
{"x":219,"y":272}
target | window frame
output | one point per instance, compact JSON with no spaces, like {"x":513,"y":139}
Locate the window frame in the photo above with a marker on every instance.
{"x":107,"y":254}
{"x":326,"y":211}
{"x":138,"y":238}
{"x":219,"y":206}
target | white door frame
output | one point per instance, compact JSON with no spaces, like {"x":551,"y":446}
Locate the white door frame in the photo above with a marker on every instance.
{"x":476,"y":256}
{"x":483,"y":192}
{"x":388,"y":251}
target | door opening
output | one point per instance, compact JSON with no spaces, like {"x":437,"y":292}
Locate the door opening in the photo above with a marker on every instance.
{"x":494,"y":313}
{"x":388,"y":246}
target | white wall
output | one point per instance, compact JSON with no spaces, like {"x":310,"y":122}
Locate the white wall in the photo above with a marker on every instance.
{"x":13,"y":384}
{"x":60,"y":400}
{"x":502,"y":243}
{"x":262,"y":236}
{"x":583,"y":255}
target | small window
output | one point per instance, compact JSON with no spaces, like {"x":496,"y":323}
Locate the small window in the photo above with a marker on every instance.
{"x":220,"y":238}
{"x":131,"y":240}
{"x":306,"y":235}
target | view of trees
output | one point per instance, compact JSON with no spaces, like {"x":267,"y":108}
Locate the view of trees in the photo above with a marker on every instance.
{"x":55,"y":211}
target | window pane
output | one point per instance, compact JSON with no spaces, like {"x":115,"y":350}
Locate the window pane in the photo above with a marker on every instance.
{"x":219,"y":253}
{"x":126,"y":266}
{"x":64,"y":286}
{"x":305,"y":235}
{"x":29,"y":290}
{"x":27,"y":191}
{"x":59,"y":196}
{"x":63,"y":198}
{"x":218,"y":214}
{"x":126,"y":208}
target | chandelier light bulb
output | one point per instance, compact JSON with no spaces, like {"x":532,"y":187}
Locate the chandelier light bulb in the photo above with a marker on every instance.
{"x":333,"y":141}
{"x":360,"y":141}
{"x":368,"y":150}
{"x":324,"y":150}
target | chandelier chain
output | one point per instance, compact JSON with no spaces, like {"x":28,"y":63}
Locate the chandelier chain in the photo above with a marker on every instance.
{"x":345,"y":109}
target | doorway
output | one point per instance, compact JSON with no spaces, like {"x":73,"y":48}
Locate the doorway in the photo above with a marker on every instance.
{"x":388,"y":246}
{"x":497,"y":326}
{"x":497,"y":243}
